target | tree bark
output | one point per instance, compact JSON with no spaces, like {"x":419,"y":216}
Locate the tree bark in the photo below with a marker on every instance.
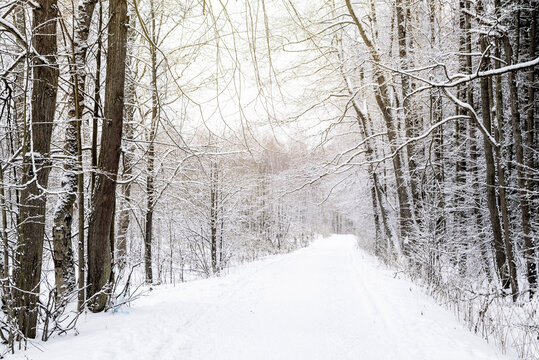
{"x":436,"y":115}
{"x":5,"y":243}
{"x":214,"y":196}
{"x":500,"y":255}
{"x":99,"y":254}
{"x":64,"y":265}
{"x":529,"y":250}
{"x":410,"y":123}
{"x":532,"y":144}
{"x":36,"y":167}
{"x":460,"y":144}
{"x":81,"y":207}
{"x":97,"y":99}
{"x":502,"y":198}
{"x":128,"y":163}
{"x":128,"y":153}
{"x":150,"y":176}
{"x":475,"y":154}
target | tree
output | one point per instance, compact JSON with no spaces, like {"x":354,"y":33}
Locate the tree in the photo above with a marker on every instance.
{"x":101,"y":220}
{"x":384,"y":103}
{"x":63,"y":251}
{"x":36,"y":158}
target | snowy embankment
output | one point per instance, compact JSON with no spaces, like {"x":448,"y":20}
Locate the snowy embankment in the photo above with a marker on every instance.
{"x":327,"y":301}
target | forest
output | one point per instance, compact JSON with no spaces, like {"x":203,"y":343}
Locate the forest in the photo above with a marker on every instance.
{"x":146,"y":143}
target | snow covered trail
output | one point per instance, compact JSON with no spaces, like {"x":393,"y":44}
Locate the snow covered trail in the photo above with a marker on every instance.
{"x":327,"y":301}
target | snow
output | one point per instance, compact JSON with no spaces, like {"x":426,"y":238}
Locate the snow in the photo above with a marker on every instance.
{"x":330,"y":300}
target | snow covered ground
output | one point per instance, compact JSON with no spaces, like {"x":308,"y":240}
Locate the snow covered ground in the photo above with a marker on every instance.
{"x":327,"y":301}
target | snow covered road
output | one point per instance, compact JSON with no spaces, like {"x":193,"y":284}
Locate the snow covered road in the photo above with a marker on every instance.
{"x":327,"y":301}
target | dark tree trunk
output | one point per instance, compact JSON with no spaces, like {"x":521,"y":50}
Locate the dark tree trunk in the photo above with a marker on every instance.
{"x":36,"y":158}
{"x":64,"y":265}
{"x":214,"y":196}
{"x":148,"y":246}
{"x":500,"y":255}
{"x":97,"y":98}
{"x":99,"y":254}
{"x":502,"y":198}
{"x":81,"y":207}
{"x":529,"y":250}
{"x":531,"y":126}
{"x":475,"y":154}
{"x":460,"y":144}
{"x":436,"y":115}
{"x":150,"y":176}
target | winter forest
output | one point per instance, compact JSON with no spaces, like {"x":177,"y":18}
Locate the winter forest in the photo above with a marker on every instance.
{"x":199,"y":154}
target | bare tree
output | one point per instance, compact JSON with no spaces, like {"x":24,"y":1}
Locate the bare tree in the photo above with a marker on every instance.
{"x":36,"y":167}
{"x":99,"y":247}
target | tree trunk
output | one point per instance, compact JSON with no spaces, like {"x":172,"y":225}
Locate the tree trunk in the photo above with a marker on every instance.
{"x":501,"y":259}
{"x":127,"y":154}
{"x":99,"y":256}
{"x":460,"y":145}
{"x":97,"y":99}
{"x":150,"y":176}
{"x":128,"y":163}
{"x":148,"y":244}
{"x":5,"y":243}
{"x":36,"y":167}
{"x":410,"y":123}
{"x":529,"y":250}
{"x":498,"y":135}
{"x":213,"y":216}
{"x":81,"y":207}
{"x":378,"y":239}
{"x":475,"y":154}
{"x":21,"y":73}
{"x":532,"y":144}
{"x":64,"y":265}
{"x":436,"y":115}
